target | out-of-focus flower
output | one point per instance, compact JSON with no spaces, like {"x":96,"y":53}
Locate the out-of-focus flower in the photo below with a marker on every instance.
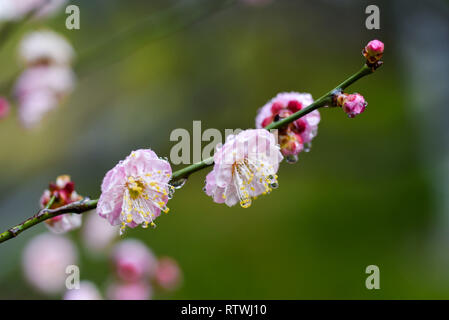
{"x":86,"y":291}
{"x":133,"y":261}
{"x":352,"y":104}
{"x":18,"y":9}
{"x":35,"y":106}
{"x":45,"y":260}
{"x":48,"y":80}
{"x":245,"y":167}
{"x":136,"y":190}
{"x":41,"y":89}
{"x":97,"y":233}
{"x":168,"y":273}
{"x":64,"y":192}
{"x":373,"y":51}
{"x":4,"y":108}
{"x":293,"y":136}
{"x":46,"y":47}
{"x":129,"y":291}
{"x":56,"y":80}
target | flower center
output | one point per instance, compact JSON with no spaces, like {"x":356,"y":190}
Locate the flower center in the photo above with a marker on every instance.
{"x":142,"y":200}
{"x":135,"y":188}
{"x":252,"y":178}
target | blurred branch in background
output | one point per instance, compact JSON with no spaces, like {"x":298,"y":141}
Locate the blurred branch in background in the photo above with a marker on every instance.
{"x":155,"y":27}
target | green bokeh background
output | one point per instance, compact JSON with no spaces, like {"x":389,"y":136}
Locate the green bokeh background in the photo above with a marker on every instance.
{"x":362,"y":195}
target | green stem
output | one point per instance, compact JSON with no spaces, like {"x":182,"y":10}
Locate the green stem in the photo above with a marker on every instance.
{"x":44,"y":214}
{"x":86,"y":205}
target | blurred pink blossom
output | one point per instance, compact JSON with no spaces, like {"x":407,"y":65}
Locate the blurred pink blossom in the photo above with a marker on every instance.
{"x":129,"y":291}
{"x":5,"y":108}
{"x":39,"y":90}
{"x":45,"y":259}
{"x":168,"y":273}
{"x":97,"y":233}
{"x":133,"y":261}
{"x":45,"y":47}
{"x":18,"y":9}
{"x":86,"y":291}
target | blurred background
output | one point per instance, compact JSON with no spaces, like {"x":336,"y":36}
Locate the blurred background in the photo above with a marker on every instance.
{"x":372,"y":190}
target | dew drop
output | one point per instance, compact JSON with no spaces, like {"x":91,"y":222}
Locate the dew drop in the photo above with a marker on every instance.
{"x":307,"y":147}
{"x":291,"y":158}
{"x":179,"y":183}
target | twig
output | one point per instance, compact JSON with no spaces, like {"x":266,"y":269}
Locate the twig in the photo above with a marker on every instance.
{"x":87,"y":204}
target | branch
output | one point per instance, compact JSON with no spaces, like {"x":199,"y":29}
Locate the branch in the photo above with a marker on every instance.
{"x":180,"y":176}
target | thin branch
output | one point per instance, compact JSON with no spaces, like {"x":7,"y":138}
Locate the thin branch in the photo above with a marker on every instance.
{"x":87,"y":204}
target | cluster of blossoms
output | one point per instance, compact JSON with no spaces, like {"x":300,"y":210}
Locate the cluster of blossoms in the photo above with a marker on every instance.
{"x":137,"y":190}
{"x":60,"y":194}
{"x":296,"y":136}
{"x":137,"y":273}
{"x":12,"y":10}
{"x":48,"y":77}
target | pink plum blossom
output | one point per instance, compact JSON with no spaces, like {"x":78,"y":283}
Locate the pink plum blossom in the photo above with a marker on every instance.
{"x":168,"y":273}
{"x":64,"y":192}
{"x":285,"y":104}
{"x":293,"y":136}
{"x":130,"y":291}
{"x":4,"y":108}
{"x":352,"y":104}
{"x":136,"y":190}
{"x":133,"y":261}
{"x":45,"y":47}
{"x":97,"y":233}
{"x":45,"y":259}
{"x":86,"y":291}
{"x":245,"y":167}
{"x":373,"y":51}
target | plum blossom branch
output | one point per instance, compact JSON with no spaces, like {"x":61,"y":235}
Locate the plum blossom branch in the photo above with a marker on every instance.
{"x":179,"y":176}
{"x":45,"y":214}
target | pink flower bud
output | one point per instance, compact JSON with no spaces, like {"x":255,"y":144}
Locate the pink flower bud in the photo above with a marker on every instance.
{"x":4,"y":108}
{"x":352,"y":104}
{"x":373,"y":51}
{"x":168,"y":274}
